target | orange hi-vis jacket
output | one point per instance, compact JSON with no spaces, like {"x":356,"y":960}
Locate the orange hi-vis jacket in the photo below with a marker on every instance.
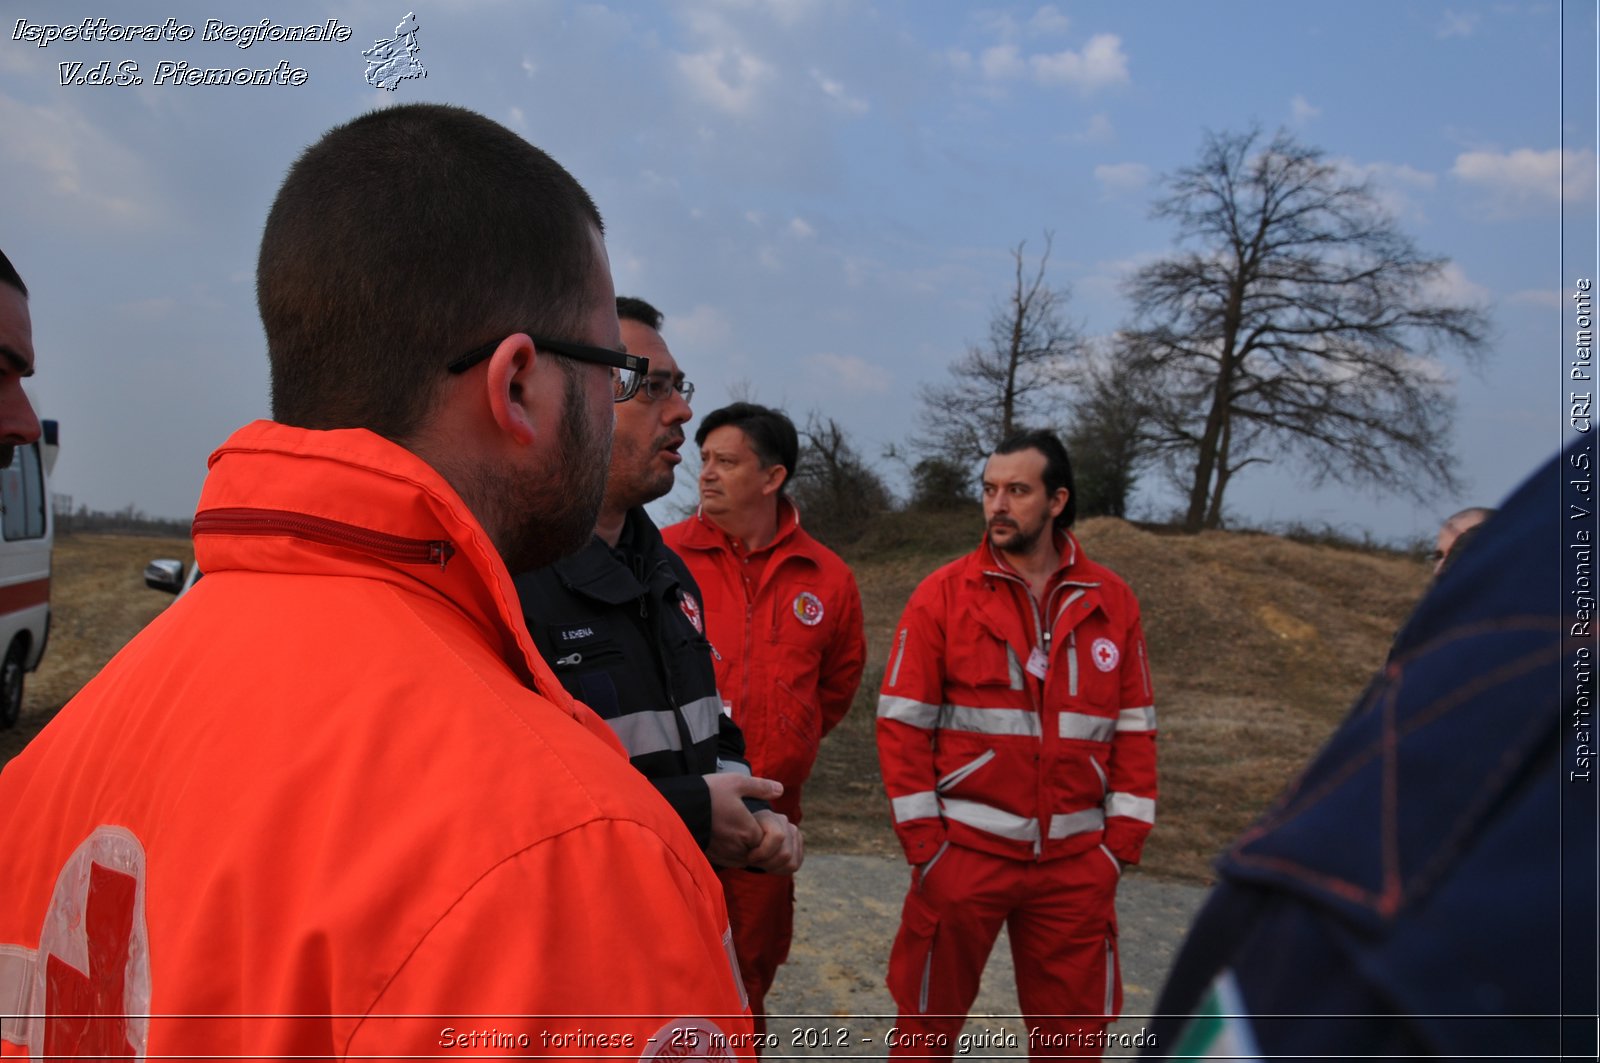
{"x":1018,"y":727}
{"x":790,"y":657}
{"x":333,"y":804}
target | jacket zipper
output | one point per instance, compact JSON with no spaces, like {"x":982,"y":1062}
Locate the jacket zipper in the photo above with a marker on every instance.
{"x":323,"y":530}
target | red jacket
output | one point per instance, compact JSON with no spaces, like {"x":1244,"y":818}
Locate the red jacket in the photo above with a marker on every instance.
{"x":790,"y":658}
{"x":316,"y":804}
{"x":978,"y":750}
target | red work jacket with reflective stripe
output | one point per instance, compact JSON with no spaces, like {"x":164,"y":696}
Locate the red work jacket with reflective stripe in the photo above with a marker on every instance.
{"x":978,"y":749}
{"x":790,"y":658}
{"x":332,"y":803}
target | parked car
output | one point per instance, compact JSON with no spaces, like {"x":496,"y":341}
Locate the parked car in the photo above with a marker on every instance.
{"x":167,"y":574}
{"x":27,"y":534}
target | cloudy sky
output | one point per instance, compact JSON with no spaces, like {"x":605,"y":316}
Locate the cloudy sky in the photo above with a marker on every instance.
{"x":820,"y":194}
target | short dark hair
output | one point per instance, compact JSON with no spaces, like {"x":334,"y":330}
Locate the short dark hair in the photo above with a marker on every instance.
{"x":771,"y":434}
{"x":1057,"y":467}
{"x":632,"y":309}
{"x":400,"y":241}
{"x":9,"y":275}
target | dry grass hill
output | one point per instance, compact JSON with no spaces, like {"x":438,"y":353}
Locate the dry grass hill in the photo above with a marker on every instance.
{"x":1258,"y":645}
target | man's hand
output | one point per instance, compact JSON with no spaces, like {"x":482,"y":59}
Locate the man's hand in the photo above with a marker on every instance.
{"x":734,"y":831}
{"x":782,"y":848}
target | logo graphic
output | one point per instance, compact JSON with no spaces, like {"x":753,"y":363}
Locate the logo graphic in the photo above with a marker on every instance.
{"x":808,"y":609}
{"x":1105,"y":654}
{"x":691,"y":609}
{"x":86,"y":991}
{"x":392,"y":61}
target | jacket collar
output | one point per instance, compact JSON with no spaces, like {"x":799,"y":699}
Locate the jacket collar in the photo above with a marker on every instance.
{"x":702,"y":533}
{"x":341,"y":483}
{"x":614,"y":576}
{"x":986,"y":560}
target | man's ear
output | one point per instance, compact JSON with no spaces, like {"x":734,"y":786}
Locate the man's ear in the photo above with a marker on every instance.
{"x":1058,"y":501}
{"x":776,"y":475}
{"x":510,"y":388}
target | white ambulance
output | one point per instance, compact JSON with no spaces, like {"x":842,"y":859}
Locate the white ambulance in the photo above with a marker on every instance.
{"x":27,"y":532}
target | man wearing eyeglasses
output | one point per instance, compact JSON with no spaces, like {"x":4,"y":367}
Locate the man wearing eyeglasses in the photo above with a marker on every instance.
{"x":332,"y":803}
{"x":621,"y":623}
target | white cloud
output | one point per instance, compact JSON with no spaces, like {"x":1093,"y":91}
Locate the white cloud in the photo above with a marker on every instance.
{"x":75,"y":162}
{"x":754,"y":217}
{"x":1101,"y":63}
{"x":728,"y":78}
{"x":1301,"y":111}
{"x":1544,"y":297}
{"x":517,"y":120}
{"x":1454,"y":25}
{"x":529,"y":67}
{"x":703,"y":327}
{"x":1048,"y":20}
{"x":836,"y":91}
{"x":847,"y":373}
{"x":1098,"y":64}
{"x":1396,"y":185}
{"x":1526,"y":181}
{"x":1452,"y":286}
{"x":1123,"y":177}
{"x":1002,"y":61}
{"x":800,"y":229}
{"x":1098,"y":131}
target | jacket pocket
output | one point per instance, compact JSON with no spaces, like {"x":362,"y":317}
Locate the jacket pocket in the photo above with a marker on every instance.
{"x":950,"y":780}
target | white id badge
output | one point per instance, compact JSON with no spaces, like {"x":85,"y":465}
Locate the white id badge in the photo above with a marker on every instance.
{"x":1038,"y":663}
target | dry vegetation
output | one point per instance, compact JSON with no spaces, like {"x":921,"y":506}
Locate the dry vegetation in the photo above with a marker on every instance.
{"x":1258,"y":644}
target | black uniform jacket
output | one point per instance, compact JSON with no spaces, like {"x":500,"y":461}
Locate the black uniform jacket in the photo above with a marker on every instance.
{"x":623,"y":630}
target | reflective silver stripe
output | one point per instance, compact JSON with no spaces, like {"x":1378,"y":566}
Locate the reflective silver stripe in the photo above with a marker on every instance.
{"x":647,"y":732}
{"x":991,"y":721}
{"x":732,"y":767}
{"x":1072,"y":663}
{"x":924,"y":805}
{"x":916,"y":713}
{"x":1082,"y":725}
{"x":1112,"y":857}
{"x":703,"y":716}
{"x":733,"y":962}
{"x":962,"y":772}
{"x":1141,"y":719}
{"x":899,"y":656}
{"x":16,"y":992}
{"x":1014,"y":669}
{"x":991,"y":819}
{"x":1142,"y":809}
{"x":1111,"y":977}
{"x":1076,"y":823}
{"x":1105,"y":784}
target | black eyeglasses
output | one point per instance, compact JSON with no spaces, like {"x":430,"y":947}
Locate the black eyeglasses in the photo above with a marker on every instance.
{"x":656,"y":388}
{"x":627,"y":370}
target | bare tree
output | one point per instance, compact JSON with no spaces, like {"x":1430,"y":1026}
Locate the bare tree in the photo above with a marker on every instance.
{"x":837,"y":492}
{"x":1108,"y":436}
{"x":1008,"y":382}
{"x":1299,"y":317}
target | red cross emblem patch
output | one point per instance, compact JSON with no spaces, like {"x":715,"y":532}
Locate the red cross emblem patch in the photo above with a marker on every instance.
{"x":691,"y":609}
{"x":1105,"y":655}
{"x":89,"y":984}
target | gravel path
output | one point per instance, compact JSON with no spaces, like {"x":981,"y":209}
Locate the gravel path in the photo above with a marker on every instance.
{"x":830,"y":1000}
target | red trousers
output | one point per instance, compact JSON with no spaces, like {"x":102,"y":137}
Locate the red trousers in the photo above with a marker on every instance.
{"x":1061,"y":919}
{"x":761,"y":913}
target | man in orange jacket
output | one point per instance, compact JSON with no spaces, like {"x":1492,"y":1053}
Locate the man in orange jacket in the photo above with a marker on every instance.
{"x":1017,"y":738}
{"x":784,"y":616}
{"x":332,"y":803}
